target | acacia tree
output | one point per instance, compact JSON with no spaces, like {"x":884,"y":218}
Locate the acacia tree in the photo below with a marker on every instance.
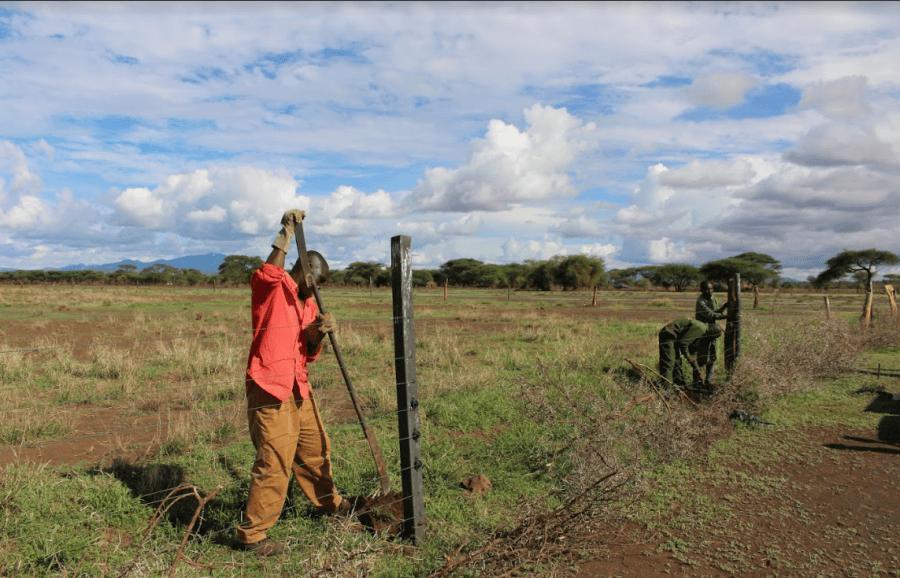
{"x":865,"y":262}
{"x":577,"y":271}
{"x":238,"y":268}
{"x":461,"y":271}
{"x":366,"y":273}
{"x":422,"y":277}
{"x":631,"y":276}
{"x":541,"y":274}
{"x":676,"y":275}
{"x":771,"y":267}
{"x":515,"y":275}
{"x":754,"y":268}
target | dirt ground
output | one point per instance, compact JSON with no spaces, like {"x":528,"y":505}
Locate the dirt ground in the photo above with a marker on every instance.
{"x":837,"y":513}
{"x":835,"y":509}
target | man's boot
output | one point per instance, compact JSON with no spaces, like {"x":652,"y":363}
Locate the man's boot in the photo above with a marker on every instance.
{"x":707,"y":383}
{"x":709,"y":374}
{"x":266,"y":547}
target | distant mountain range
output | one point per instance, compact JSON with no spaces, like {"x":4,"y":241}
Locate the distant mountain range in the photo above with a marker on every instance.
{"x":208,"y":264}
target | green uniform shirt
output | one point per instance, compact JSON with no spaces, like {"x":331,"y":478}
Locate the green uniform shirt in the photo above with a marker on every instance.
{"x":685,"y":331}
{"x":707,"y":310}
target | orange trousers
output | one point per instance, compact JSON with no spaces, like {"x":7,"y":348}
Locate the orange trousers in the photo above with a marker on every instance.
{"x":288,"y":436}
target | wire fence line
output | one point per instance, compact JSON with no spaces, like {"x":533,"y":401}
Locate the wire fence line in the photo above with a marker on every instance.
{"x":159,"y":427}
{"x":246,"y":430}
{"x":192,"y":384}
{"x":244,"y":334}
{"x":297,"y":504}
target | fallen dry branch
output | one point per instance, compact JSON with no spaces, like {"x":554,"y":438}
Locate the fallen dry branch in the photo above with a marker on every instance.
{"x":643,"y":369}
{"x":544,"y":538}
{"x":165,"y":505}
{"x":639,"y":400}
{"x":175,"y":495}
{"x":201,"y":503}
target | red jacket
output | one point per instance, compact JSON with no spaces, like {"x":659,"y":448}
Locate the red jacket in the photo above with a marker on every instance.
{"x":278,"y":354}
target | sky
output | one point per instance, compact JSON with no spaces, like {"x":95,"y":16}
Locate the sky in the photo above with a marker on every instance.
{"x":639,"y":133}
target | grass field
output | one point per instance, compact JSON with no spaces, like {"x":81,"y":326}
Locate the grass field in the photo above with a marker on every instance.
{"x":130,"y":392}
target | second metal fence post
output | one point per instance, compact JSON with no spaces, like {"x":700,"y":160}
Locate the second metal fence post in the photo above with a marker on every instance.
{"x":407,"y":390}
{"x":733,"y":324}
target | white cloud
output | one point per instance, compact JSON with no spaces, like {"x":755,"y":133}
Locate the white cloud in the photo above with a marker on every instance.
{"x":578,"y":226}
{"x":20,"y":207}
{"x":847,"y":189}
{"x":349,"y":202}
{"x":509,"y":166}
{"x":720,"y":89}
{"x":843,"y":98}
{"x":44,"y":148}
{"x":651,"y":192}
{"x":664,"y":250}
{"x":706,"y":174}
{"x":836,"y":144}
{"x":364,"y":96}
{"x":218,"y":202}
{"x":803,"y":214}
{"x":603,"y":250}
{"x":516,"y":251}
{"x":141,"y":207}
{"x":214,"y":214}
{"x":27,"y":212}
{"x":16,"y":178}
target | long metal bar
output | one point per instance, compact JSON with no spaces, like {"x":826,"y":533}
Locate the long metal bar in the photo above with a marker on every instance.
{"x":733,"y":324}
{"x":407,"y":390}
{"x":380,"y":466}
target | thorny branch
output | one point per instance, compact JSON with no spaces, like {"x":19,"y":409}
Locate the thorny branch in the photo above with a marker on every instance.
{"x":540,"y":538}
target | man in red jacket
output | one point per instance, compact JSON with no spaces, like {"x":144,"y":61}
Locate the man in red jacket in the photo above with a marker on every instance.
{"x":285,"y":425}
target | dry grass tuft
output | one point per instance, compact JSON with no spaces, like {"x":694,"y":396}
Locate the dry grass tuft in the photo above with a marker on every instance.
{"x":543,"y":539}
{"x":883,"y":333}
{"x":781,"y":357}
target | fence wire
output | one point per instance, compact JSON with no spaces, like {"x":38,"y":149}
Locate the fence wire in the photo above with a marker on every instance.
{"x":163,"y":425}
{"x":232,"y":410}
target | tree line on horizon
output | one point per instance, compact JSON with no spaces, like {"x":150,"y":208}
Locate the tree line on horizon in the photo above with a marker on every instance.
{"x":563,"y":272}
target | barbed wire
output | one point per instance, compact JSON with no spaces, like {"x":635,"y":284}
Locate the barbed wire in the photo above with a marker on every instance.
{"x":241,"y":334}
{"x":242,"y":337}
{"x":215,"y":381}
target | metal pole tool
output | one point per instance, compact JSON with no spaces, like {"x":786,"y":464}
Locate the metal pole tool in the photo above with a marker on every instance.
{"x":367,"y":431}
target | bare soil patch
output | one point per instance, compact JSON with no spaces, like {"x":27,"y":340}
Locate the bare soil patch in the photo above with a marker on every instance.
{"x":835,"y":513}
{"x":382,"y":514}
{"x":102,"y":434}
{"x":98,"y":435}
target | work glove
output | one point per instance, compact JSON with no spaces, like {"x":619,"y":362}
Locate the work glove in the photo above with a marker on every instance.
{"x":325,"y":323}
{"x":315,"y":331}
{"x":286,"y":234}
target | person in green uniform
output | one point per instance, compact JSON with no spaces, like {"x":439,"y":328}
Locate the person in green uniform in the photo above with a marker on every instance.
{"x":708,"y":311}
{"x":675,"y":342}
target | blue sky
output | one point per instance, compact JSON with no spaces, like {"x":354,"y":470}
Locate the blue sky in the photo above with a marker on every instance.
{"x":641,"y":133}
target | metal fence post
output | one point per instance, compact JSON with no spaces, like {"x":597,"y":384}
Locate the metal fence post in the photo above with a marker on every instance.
{"x":407,"y":390}
{"x":733,"y":324}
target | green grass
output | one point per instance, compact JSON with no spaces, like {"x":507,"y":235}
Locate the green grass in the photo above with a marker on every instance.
{"x":491,"y":373}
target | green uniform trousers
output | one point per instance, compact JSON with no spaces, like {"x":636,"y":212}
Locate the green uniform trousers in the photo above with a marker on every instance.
{"x":670,"y":366}
{"x":706,"y":351}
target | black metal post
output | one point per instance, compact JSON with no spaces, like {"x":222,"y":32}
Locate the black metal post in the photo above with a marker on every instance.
{"x":733,"y":324}
{"x":407,"y":390}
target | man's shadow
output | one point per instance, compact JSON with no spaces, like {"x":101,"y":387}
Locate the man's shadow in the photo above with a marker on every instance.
{"x":165,"y":488}
{"x":888,"y":432}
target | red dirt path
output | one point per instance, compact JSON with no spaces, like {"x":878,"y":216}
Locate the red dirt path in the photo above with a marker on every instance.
{"x":836,"y":514}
